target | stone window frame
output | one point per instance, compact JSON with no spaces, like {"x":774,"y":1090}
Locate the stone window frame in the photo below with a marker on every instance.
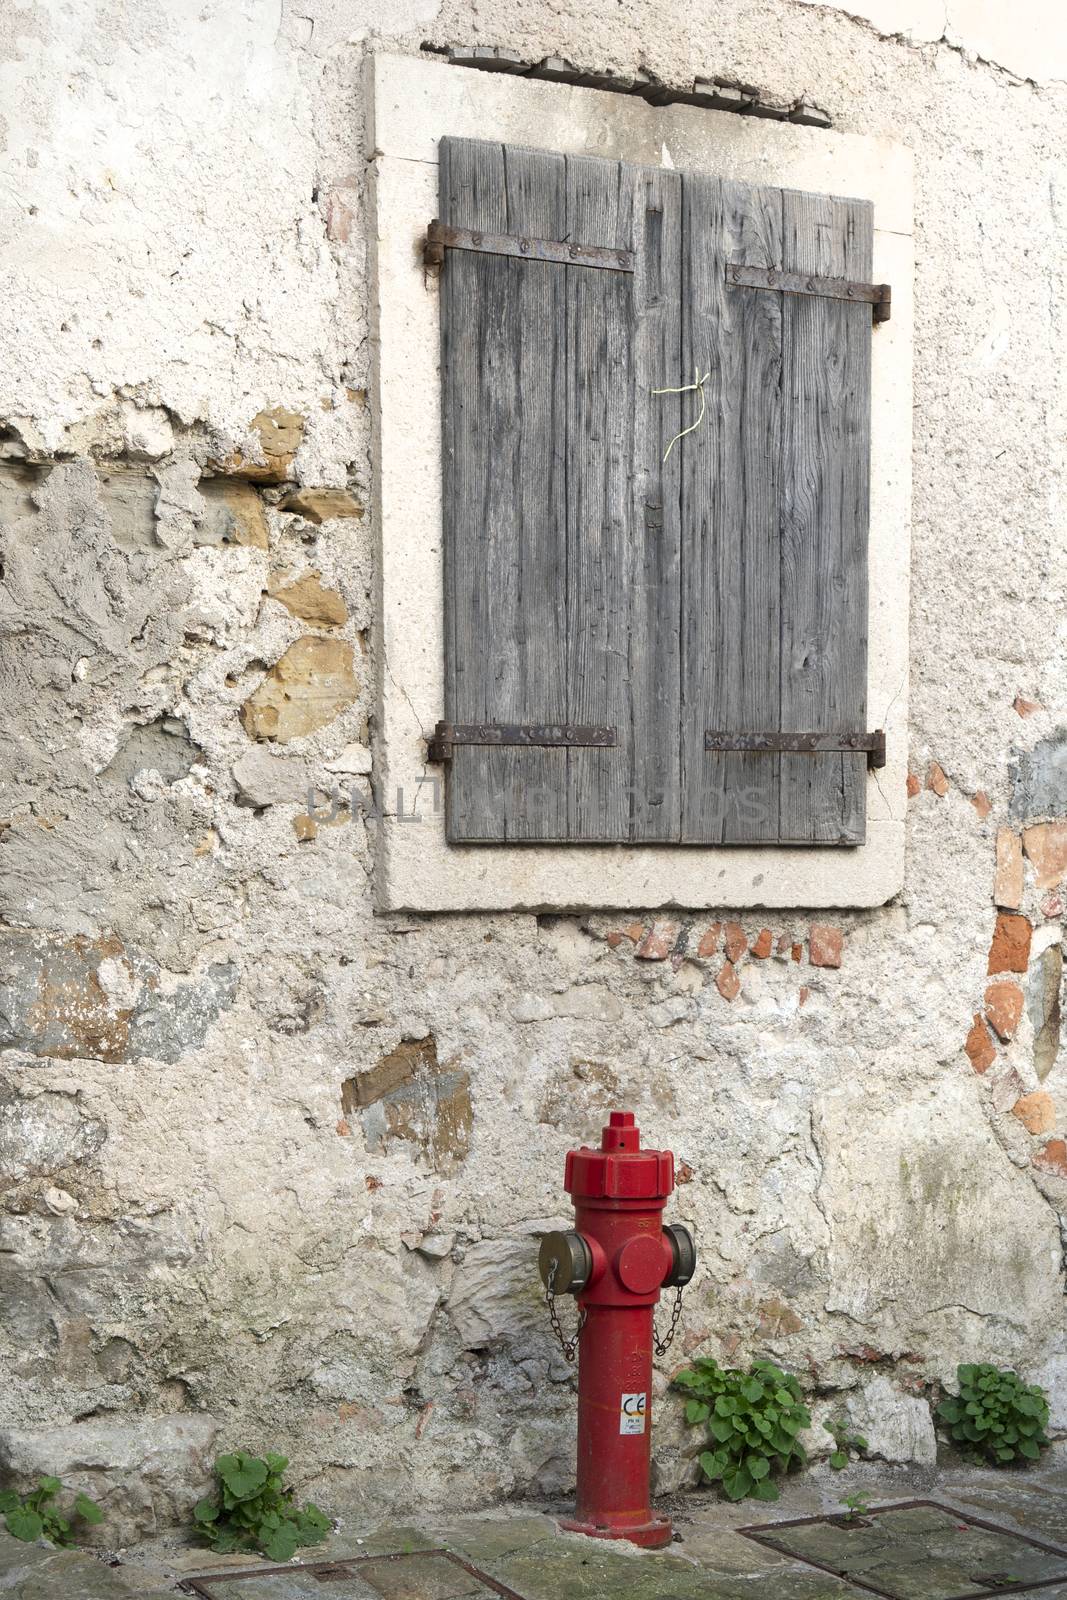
{"x":412,"y":103}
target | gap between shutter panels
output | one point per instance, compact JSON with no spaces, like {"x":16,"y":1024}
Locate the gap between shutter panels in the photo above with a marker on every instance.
{"x":731,"y":592}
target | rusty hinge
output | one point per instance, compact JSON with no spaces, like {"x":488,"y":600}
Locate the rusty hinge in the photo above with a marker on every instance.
{"x":879,"y":295}
{"x":804,"y":744}
{"x":446,"y":734}
{"x":441,"y":237}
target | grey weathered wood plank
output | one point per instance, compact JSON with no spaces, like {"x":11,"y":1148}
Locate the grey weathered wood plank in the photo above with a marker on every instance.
{"x":505,"y":525}
{"x":600,"y":424}
{"x":654,"y":573}
{"x":825,"y":517}
{"x":730,"y":677}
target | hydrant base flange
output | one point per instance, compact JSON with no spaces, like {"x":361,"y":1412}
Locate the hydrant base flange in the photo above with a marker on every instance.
{"x":651,"y":1535}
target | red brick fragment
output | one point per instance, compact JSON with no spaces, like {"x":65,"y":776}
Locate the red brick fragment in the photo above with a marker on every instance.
{"x":1052,"y":1157}
{"x":658,"y":942}
{"x":343,"y":1129}
{"x":763,"y":944}
{"x":979,"y":1046}
{"x":634,"y":931}
{"x":683,"y":1173}
{"x":1036,"y":1112}
{"x":804,"y":995}
{"x":736,"y":941}
{"x":824,"y":945}
{"x":614,"y":939}
{"x":914,"y":785}
{"x":1004,"y":1008}
{"x":1008,"y":881}
{"x":981,"y":803}
{"x":1052,"y":905}
{"x":727,"y":982}
{"x":785,"y":940}
{"x":710,"y":941}
{"x":795,"y":952}
{"x":936,"y":780}
{"x":1026,"y":708}
{"x":1010,"y":950}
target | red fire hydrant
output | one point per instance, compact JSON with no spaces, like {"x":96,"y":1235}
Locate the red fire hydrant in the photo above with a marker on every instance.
{"x":616,"y":1263}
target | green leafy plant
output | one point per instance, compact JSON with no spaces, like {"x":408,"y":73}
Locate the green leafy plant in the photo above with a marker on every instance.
{"x":251,"y":1509}
{"x":845,"y":1442}
{"x":996,"y":1416}
{"x":33,"y":1516}
{"x":856,"y":1506}
{"x":753,"y":1419}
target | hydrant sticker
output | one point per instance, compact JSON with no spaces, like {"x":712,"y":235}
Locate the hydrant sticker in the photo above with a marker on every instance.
{"x":632,"y":1414}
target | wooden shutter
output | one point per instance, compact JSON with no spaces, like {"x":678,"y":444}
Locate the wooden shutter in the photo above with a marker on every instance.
{"x":590,"y":583}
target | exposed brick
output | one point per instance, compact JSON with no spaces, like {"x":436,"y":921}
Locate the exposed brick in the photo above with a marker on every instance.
{"x":914,"y":784}
{"x":1010,"y":950}
{"x":1052,"y":1157}
{"x":1026,"y":708}
{"x":614,"y":939}
{"x":1004,"y":1008}
{"x":1046,"y":846}
{"x":1008,"y":881}
{"x":763,"y":944}
{"x":634,"y":931}
{"x":936,"y":780}
{"x":658,"y":942}
{"x":981,"y":803}
{"x":684,"y":1173}
{"x":795,"y":952}
{"x":824,"y":945}
{"x":710,"y":941}
{"x":979,"y":1046}
{"x":804,"y":995}
{"x":727,"y":982}
{"x":736,"y":942}
{"x":1036,"y":1112}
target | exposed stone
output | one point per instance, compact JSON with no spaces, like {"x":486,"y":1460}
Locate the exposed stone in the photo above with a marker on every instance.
{"x":1026,"y":708}
{"x":658,"y":942}
{"x":897,"y":1426}
{"x":280,"y":435}
{"x":495,"y":1297}
{"x":981,"y":803}
{"x":1052,"y":1158}
{"x":265,"y":779}
{"x":410,"y":1096}
{"x":913,"y":785}
{"x":233,"y":514}
{"x":825,"y":944}
{"x":1039,"y":780}
{"x":354,"y":758}
{"x":1010,"y":950}
{"x":727,"y":981}
{"x":709,"y":940}
{"x":322,"y":505}
{"x":1046,"y":846}
{"x":1036,"y":1112}
{"x":736,"y":941}
{"x":777,"y":1320}
{"x":1008,"y":881}
{"x":306,"y":598}
{"x":1004,"y":1008}
{"x":763,"y":944}
{"x":310,"y":685}
{"x":1044,"y":1007}
{"x":146,"y":1475}
{"x":162,"y":746}
{"x":803,"y":995}
{"x":43,"y":1134}
{"x":936,"y":779}
{"x":979,"y":1046}
{"x":1052,"y":905}
{"x":96,"y":998}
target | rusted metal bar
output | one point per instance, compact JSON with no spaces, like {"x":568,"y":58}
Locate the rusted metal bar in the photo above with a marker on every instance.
{"x":447,"y":734}
{"x":804,"y":744}
{"x":879,"y":295}
{"x":441,"y":236}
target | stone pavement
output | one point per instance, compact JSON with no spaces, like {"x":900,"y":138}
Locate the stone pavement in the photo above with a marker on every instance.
{"x":522,"y":1549}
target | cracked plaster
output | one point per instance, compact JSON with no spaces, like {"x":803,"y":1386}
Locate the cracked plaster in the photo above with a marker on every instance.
{"x":182,"y":213}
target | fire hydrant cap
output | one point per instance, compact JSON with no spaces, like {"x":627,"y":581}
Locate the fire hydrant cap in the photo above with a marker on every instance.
{"x":620,"y":1169}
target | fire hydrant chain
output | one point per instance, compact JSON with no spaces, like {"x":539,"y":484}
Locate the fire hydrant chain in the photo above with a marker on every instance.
{"x":568,"y":1346}
{"x":664,"y":1344}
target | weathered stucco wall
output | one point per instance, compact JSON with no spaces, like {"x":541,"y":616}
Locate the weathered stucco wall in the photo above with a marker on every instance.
{"x":271,"y":1159}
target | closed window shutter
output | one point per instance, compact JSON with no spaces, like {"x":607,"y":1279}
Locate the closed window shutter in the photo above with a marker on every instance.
{"x":591,"y":583}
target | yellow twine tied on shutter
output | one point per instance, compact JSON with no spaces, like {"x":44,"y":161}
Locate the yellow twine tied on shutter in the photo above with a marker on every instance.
{"x":687,"y":388}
